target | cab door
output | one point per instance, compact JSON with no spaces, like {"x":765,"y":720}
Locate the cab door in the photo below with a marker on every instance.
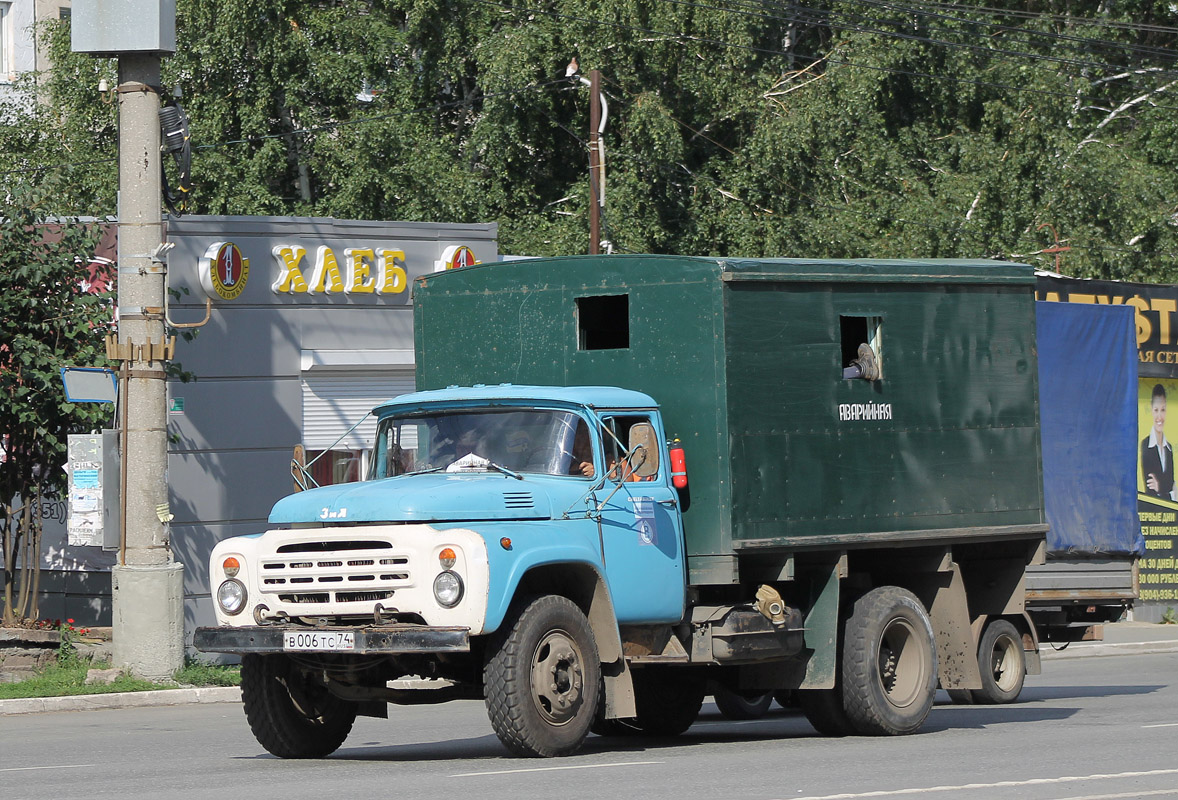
{"x":641,"y":529}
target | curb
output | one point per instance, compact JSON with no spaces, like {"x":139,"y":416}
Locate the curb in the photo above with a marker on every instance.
{"x":97,"y":702}
{"x":1096,"y":649}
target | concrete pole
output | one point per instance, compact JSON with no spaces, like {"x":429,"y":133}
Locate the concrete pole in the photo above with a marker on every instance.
{"x":594,"y":163}
{"x":148,"y":586}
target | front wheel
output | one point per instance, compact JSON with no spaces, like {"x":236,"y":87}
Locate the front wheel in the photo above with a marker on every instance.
{"x":889,"y":663}
{"x":543,"y":679}
{"x":291,"y":715}
{"x":1003,"y":663}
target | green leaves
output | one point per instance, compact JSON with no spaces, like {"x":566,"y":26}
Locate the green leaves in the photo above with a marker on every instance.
{"x":837,"y":129}
{"x":49,"y":318}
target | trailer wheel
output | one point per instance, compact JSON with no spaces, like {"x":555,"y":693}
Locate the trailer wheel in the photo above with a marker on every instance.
{"x":1003,"y":663}
{"x":889,"y":663}
{"x":292,"y":716}
{"x":740,"y":707}
{"x":543,"y":679}
{"x":667,"y":699}
{"x":823,"y":709}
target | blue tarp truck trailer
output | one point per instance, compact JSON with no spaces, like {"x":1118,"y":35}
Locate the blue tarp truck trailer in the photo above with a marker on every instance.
{"x":1088,"y":418}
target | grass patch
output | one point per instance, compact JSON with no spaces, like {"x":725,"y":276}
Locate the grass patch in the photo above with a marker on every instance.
{"x":69,"y":678}
{"x":199,"y":673}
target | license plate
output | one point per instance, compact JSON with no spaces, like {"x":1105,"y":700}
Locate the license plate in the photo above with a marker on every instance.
{"x":328,"y":641}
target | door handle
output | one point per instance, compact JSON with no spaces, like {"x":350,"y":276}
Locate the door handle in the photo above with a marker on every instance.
{"x":670,"y":502}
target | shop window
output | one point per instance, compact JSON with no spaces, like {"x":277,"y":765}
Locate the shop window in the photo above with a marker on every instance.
{"x":603,"y":323}
{"x":330,"y":467}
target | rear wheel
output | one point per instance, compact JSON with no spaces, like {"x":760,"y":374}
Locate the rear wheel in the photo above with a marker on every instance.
{"x":889,"y":663}
{"x":543,"y":679}
{"x":667,"y":699}
{"x":1003,"y":663}
{"x":291,"y":715}
{"x":823,"y":708}
{"x":741,"y":707}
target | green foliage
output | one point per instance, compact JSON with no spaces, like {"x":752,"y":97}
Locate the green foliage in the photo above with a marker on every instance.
{"x":49,"y":318}
{"x":841,"y":128}
{"x":1169,"y":618}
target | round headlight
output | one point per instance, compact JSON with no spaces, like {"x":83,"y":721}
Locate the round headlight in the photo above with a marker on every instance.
{"x":231,"y":596}
{"x":448,"y":589}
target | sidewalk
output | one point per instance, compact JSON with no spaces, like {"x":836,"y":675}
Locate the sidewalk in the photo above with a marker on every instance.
{"x":1120,"y":639}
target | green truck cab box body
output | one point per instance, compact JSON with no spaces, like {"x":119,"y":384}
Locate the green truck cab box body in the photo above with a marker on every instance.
{"x":746,"y":359}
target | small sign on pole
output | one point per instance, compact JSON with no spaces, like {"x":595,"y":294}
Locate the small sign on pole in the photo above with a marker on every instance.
{"x":89,"y":385}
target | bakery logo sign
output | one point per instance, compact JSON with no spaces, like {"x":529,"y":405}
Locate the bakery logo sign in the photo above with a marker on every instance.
{"x":362,"y":270}
{"x":870,"y":412}
{"x":224,"y":271}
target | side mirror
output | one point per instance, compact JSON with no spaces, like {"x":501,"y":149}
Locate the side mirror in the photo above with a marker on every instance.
{"x":644,"y":450}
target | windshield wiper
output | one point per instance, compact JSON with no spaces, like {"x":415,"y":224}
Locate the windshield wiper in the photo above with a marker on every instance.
{"x":509,"y":472}
{"x":420,"y":471}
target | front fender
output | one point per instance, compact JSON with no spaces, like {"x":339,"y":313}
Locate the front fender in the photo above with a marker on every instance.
{"x":533,"y":545}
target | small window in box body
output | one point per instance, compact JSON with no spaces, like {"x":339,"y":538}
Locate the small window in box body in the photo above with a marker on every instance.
{"x":857,"y":330}
{"x":603,"y":322}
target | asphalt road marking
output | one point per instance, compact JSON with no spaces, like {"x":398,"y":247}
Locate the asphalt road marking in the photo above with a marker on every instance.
{"x":1000,"y":785}
{"x":55,"y":766}
{"x":1163,"y":725}
{"x":554,"y":769}
{"x":1122,"y":795}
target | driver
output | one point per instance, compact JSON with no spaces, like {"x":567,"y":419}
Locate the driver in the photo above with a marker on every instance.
{"x":582,"y":463}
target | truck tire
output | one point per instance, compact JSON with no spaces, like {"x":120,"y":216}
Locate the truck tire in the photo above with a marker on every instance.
{"x":962,"y":697}
{"x":1003,"y":663}
{"x":290,"y":715}
{"x":889,"y":670}
{"x":739,"y":707}
{"x":667,"y":699}
{"x":543,"y":679}
{"x":823,"y":709}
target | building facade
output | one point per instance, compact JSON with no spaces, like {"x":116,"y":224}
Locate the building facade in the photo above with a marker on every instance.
{"x":21,"y":47}
{"x":311,"y":326}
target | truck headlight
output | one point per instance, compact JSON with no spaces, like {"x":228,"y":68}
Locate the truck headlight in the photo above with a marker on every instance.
{"x":231,"y":596}
{"x":448,"y":589}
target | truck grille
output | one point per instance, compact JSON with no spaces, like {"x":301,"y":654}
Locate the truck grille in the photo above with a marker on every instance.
{"x":322,"y":572}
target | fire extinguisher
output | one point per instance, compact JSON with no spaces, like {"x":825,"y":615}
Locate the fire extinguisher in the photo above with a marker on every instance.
{"x":678,"y":465}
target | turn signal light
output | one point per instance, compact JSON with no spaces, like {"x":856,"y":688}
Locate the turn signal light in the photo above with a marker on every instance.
{"x":231,"y":566}
{"x":447,"y":558}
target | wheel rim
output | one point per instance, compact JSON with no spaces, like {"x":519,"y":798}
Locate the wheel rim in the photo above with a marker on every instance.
{"x":557,"y":678}
{"x":901,"y":663}
{"x":1004,"y":663}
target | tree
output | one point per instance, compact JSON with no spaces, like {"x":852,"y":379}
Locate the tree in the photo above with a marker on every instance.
{"x":839,"y":128}
{"x":51,"y":316}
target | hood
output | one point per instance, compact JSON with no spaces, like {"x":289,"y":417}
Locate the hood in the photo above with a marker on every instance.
{"x":430,"y":498}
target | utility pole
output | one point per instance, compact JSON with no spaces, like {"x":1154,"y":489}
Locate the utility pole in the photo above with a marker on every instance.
{"x":595,"y":187}
{"x":147,"y":584}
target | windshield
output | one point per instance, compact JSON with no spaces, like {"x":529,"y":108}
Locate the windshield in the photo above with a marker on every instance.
{"x":522,"y":440}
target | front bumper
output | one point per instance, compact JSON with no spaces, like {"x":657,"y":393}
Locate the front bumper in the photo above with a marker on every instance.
{"x":373,"y":639}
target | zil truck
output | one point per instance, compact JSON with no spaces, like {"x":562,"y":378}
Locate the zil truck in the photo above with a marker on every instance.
{"x":627,"y":479}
